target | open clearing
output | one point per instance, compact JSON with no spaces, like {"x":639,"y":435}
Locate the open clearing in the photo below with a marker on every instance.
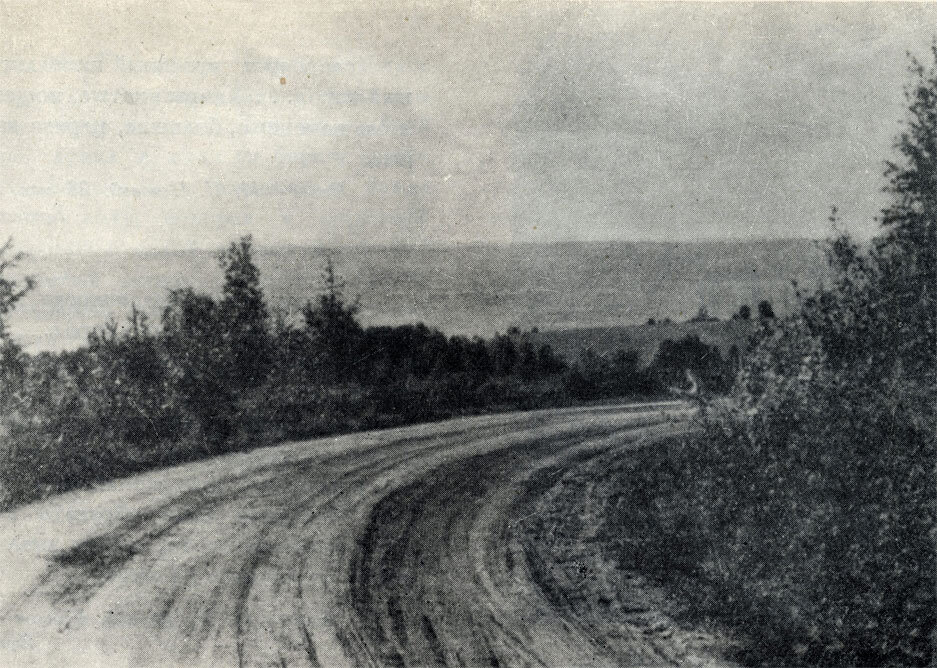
{"x":409,"y":546}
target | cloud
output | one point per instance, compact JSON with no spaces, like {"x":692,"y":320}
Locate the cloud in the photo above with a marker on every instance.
{"x":130,"y":126}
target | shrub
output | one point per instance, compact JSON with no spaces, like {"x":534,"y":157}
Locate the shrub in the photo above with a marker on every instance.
{"x":333,"y":332}
{"x":765,"y":310}
{"x":200,"y":367}
{"x":807,"y":507}
{"x":676,"y":361}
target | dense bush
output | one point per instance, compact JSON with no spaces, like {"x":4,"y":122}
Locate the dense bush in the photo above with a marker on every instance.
{"x":828,"y":487}
{"x":804,"y":513}
{"x":689,"y":359}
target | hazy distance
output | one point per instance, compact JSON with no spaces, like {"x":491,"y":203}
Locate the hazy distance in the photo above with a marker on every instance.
{"x":467,"y":289}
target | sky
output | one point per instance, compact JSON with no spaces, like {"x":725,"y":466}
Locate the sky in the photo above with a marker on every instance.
{"x":127,"y":126}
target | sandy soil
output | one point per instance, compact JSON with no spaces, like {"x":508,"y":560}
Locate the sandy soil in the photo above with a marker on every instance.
{"x":409,"y":546}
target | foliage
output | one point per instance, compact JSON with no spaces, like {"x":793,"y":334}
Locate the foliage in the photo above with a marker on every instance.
{"x":91,"y":414}
{"x":198,"y":364}
{"x":690,"y":358}
{"x":222,"y":375}
{"x":744,"y":313}
{"x":243,"y":317}
{"x":11,"y":290}
{"x":805,"y":514}
{"x":593,"y":377}
{"x":765,"y":310}
{"x":331,"y":326}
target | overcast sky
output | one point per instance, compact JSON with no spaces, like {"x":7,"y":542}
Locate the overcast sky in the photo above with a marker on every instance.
{"x":152,"y":125}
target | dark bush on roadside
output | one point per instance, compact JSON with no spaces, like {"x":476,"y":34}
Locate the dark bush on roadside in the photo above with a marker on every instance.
{"x":595,"y":377}
{"x":689,"y":359}
{"x":805,"y":513}
{"x":89,"y":415}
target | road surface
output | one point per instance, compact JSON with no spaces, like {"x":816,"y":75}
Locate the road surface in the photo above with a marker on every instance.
{"x":407,"y":546}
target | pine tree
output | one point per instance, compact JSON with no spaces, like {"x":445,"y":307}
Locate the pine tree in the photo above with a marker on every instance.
{"x":244,"y":315}
{"x":331,"y":325}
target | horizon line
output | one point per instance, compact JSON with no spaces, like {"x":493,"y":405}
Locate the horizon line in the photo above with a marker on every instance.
{"x":700,"y":241}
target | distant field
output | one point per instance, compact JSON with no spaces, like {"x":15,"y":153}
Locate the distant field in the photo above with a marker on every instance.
{"x":473,"y":290}
{"x":645,"y":339}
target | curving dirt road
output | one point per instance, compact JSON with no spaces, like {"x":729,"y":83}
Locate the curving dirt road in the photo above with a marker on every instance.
{"x":409,"y":546}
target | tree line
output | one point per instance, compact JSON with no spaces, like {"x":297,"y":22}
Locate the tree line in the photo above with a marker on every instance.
{"x":230,"y":372}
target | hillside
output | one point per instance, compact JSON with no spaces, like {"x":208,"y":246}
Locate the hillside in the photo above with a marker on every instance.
{"x":645,"y":339}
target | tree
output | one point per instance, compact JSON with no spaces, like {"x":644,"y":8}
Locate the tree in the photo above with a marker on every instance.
{"x":503,"y":354}
{"x":905,"y":255}
{"x":198,"y":357}
{"x":627,"y":377}
{"x":833,"y":413}
{"x":331,"y":325}
{"x":125,"y":383}
{"x":882,"y":307}
{"x":745,"y":312}
{"x":548,"y":361}
{"x":11,"y":292}
{"x":675,"y":359}
{"x":244,"y":315}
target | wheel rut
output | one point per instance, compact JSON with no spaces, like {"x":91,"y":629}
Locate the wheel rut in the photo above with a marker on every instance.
{"x":407,"y":547}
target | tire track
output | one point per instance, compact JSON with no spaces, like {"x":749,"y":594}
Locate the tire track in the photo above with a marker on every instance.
{"x":492,"y":607}
{"x":392,"y":547}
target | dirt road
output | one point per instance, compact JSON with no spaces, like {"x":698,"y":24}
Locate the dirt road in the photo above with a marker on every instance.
{"x":408,"y":547}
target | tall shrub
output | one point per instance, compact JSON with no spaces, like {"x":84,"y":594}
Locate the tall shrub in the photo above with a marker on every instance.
{"x":12,"y":290}
{"x":822,"y":463}
{"x":199,"y":364}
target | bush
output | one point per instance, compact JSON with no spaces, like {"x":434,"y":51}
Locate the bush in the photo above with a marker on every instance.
{"x":765,"y":310}
{"x":805,"y":513}
{"x":821,"y":486}
{"x":689,"y":359}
